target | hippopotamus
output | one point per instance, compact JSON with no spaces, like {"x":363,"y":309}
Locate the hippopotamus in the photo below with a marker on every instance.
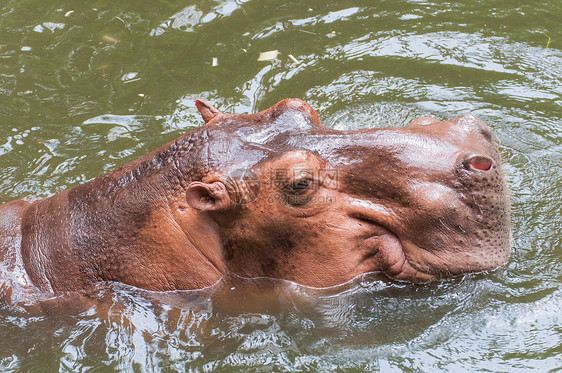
{"x":274,"y":194}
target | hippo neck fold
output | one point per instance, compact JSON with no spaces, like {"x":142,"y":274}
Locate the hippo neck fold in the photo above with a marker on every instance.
{"x":134,"y":217}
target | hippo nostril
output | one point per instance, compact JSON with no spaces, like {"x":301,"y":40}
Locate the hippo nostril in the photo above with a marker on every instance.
{"x":479,"y":162}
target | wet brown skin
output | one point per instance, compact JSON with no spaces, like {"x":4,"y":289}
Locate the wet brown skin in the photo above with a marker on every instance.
{"x":274,"y":194}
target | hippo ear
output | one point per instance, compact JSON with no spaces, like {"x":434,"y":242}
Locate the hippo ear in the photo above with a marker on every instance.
{"x":208,"y":197}
{"x":207,"y":111}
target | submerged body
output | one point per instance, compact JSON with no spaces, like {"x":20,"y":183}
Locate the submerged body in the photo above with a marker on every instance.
{"x":273,"y":194}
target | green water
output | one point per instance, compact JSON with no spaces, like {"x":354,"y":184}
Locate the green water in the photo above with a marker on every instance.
{"x":88,"y":86}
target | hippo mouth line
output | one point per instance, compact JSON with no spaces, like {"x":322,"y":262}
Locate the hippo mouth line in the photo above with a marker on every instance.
{"x":389,"y":254}
{"x":395,"y":261}
{"x":388,"y":250}
{"x":401,"y":259}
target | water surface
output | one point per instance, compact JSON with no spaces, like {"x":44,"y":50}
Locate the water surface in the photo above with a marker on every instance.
{"x":88,"y":86}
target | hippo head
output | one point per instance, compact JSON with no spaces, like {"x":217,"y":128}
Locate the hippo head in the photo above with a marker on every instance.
{"x":296,"y":200}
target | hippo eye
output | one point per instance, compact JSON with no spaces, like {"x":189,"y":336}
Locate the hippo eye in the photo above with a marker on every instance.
{"x":302,"y":185}
{"x":300,"y":191}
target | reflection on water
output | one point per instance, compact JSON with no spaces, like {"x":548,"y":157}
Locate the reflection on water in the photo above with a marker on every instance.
{"x":87,"y":87}
{"x":263,"y":322}
{"x":236,"y":322}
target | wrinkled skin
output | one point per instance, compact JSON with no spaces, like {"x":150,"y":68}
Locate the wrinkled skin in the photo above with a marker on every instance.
{"x":274,"y":194}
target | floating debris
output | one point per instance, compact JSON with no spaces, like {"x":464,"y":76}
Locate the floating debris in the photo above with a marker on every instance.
{"x":549,"y":39}
{"x":109,"y":39}
{"x":268,"y":56}
{"x":308,"y":32}
{"x":294,"y":59}
{"x":130,"y":77}
{"x":215,"y":62}
{"x":69,"y":13}
{"x":141,"y":95}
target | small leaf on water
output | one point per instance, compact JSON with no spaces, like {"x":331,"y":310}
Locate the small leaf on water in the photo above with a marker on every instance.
{"x":268,"y":56}
{"x":109,"y":39}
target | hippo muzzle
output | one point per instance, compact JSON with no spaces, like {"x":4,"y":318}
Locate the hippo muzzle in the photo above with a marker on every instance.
{"x":280,"y":195}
